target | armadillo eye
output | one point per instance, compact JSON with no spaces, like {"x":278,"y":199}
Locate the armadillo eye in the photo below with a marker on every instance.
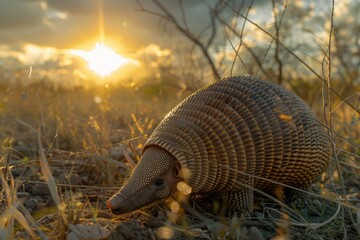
{"x":176,"y":172}
{"x":159,"y":182}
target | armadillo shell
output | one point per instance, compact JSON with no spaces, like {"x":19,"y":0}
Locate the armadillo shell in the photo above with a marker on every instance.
{"x":244,"y":125}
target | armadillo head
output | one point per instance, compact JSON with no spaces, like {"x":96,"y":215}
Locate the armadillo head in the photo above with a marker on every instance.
{"x":154,"y":178}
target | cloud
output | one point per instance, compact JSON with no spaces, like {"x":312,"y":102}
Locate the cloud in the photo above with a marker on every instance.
{"x":78,"y":7}
{"x":23,"y":22}
{"x":65,"y":23}
{"x":16,"y":15}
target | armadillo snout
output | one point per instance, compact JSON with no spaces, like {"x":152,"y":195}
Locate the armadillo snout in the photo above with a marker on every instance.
{"x":120,"y":205}
{"x":117,"y":204}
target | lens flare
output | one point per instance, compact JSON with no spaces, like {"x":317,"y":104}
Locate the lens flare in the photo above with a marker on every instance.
{"x":101,"y":59}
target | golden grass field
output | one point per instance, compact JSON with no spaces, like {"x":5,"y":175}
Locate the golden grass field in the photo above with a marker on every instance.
{"x":65,"y":149}
{"x":64,"y":152}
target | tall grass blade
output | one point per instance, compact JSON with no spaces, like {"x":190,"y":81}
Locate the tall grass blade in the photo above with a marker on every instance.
{"x":50,"y":181}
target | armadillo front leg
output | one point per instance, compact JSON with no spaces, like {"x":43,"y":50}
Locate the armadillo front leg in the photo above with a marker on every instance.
{"x":239,"y":202}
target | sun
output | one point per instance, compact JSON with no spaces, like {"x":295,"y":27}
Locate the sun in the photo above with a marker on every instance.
{"x":101,"y":59}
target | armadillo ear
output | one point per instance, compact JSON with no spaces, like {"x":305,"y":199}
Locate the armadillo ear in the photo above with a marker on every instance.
{"x":176,"y":170}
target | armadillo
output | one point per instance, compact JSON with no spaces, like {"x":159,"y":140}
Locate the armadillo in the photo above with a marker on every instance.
{"x":229,"y":138}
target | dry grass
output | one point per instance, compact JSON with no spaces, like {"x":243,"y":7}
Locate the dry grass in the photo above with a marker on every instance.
{"x":70,"y":153}
{"x":60,"y":149}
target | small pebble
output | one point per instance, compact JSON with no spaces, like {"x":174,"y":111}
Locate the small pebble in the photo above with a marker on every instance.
{"x":317,"y":204}
{"x":87,"y":232}
{"x":73,"y":179}
{"x":31,"y":204}
{"x":40,"y":189}
{"x":255,"y":234}
{"x":132,"y":230}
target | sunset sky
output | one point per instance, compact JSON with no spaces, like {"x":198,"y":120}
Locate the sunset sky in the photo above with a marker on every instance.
{"x":52,"y":34}
{"x":34,"y":32}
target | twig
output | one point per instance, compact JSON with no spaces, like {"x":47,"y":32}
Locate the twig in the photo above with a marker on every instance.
{"x":128,"y":158}
{"x":171,"y":19}
{"x":277,"y":40}
{"x":311,"y":225}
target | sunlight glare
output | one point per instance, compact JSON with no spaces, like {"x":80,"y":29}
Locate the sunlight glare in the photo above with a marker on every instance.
{"x":102,"y":59}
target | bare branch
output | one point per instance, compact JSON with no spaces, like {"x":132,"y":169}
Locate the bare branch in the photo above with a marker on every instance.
{"x":277,"y":40}
{"x":186,"y":32}
{"x":183,"y":15}
{"x":213,"y":24}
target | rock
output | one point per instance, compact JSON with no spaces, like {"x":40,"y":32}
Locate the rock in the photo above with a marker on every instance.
{"x":132,"y":230}
{"x":255,"y":234}
{"x":87,"y":232}
{"x":218,"y":229}
{"x":40,"y":189}
{"x":31,"y":204}
{"x":73,"y":179}
{"x":21,"y":171}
